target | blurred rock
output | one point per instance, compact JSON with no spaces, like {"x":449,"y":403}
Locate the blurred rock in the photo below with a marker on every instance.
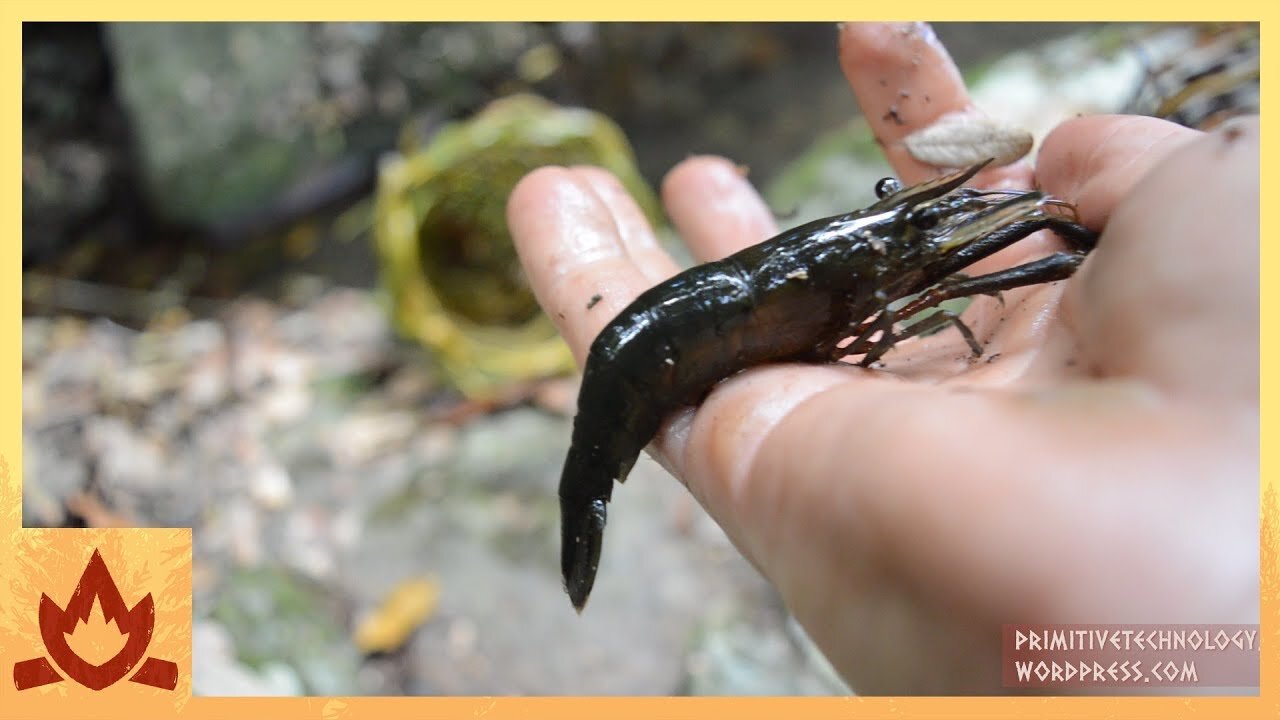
{"x":50,"y":478}
{"x":630,"y":639}
{"x":75,"y":144}
{"x":275,"y":618}
{"x":270,"y":104}
{"x":305,"y":522}
{"x":358,"y":439}
{"x":231,"y":96}
{"x":216,"y":671}
{"x":271,"y":486}
{"x":520,"y":449}
{"x":768,"y":654}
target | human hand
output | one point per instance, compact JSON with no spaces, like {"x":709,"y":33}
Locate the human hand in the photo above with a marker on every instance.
{"x":1103,"y":468}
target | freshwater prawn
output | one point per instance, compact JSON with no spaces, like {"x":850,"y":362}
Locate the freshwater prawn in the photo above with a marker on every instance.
{"x":826,"y":290}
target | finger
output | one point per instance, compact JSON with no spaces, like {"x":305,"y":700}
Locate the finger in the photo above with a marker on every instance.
{"x":1094,"y":161}
{"x":712,"y":448}
{"x":904,"y":80}
{"x":637,"y":237}
{"x":572,"y":252}
{"x":715,"y":208}
{"x":1173,"y":287}
{"x":737,"y":453}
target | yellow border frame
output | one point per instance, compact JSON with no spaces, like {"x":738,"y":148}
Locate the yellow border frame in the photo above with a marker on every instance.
{"x":118,"y":705}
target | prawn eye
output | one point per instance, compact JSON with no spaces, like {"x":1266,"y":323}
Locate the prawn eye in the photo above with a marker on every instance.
{"x":924,"y":220}
{"x":887,"y":186}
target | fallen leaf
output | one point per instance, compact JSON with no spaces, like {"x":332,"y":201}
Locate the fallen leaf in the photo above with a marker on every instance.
{"x":403,"y":610}
{"x":963,"y":138}
{"x":95,"y":514}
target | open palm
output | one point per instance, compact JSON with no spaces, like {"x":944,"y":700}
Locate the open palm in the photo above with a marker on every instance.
{"x":1101,"y":468}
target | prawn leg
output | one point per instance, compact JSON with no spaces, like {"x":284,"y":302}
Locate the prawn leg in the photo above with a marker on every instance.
{"x":1051,"y":268}
{"x":934,"y":322}
{"x":1057,"y":266}
{"x":883,"y":321}
{"x":937,"y":321}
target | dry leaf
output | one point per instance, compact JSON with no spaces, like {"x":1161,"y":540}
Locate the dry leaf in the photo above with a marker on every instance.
{"x":965,"y":138}
{"x":95,"y":514}
{"x":404,"y":609}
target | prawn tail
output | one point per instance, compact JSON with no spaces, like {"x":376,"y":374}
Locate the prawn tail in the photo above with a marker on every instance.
{"x":614,"y":423}
{"x":585,"y":488}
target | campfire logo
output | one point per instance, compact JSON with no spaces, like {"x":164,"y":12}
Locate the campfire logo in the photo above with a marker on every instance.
{"x":136,"y":626}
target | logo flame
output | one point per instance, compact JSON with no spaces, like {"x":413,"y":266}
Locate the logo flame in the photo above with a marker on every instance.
{"x":137,"y":624}
{"x":57,"y":625}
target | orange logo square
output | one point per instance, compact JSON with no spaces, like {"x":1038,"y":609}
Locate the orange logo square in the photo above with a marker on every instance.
{"x":89,"y":609}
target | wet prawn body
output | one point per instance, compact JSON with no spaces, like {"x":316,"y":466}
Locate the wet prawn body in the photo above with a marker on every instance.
{"x":795,"y":297}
